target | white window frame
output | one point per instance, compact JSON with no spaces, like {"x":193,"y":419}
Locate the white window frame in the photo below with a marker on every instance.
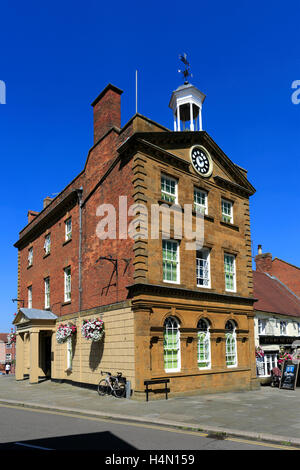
{"x":30,"y":256}
{"x":47,"y":244}
{"x":298,"y":324}
{"x":68,"y":229}
{"x":67,"y":284}
{"x":206,"y":344}
{"x":232,"y":273}
{"x":200,"y":207}
{"x":29,"y":297}
{"x":261,"y":325}
{"x":8,"y":357}
{"x":47,"y":291}
{"x":171,"y":323}
{"x":166,"y":260}
{"x":203,"y":264}
{"x":227,"y":211}
{"x":283,"y":327}
{"x":166,"y":195}
{"x":230,"y":339}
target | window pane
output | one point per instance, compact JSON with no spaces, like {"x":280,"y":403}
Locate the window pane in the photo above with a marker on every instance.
{"x":171,"y":344}
{"x":170,"y":261}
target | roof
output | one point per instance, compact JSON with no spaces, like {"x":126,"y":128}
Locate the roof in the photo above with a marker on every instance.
{"x":273,"y":296}
{"x":35,"y":314}
{"x":3,"y":337}
{"x":282,"y":261}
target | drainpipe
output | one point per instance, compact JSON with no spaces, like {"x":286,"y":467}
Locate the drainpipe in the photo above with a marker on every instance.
{"x":79,"y":193}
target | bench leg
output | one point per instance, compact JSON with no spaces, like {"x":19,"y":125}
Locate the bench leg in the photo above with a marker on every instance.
{"x":147,"y":392}
{"x":166,"y":391}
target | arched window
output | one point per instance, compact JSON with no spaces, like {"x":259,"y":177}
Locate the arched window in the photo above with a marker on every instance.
{"x":171,"y":345}
{"x":203,"y":345}
{"x":231,"y":350}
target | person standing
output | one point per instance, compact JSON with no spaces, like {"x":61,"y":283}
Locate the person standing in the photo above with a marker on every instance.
{"x":7,"y":369}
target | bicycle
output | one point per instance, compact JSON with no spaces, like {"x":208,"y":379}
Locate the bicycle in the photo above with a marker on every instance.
{"x":112,"y":384}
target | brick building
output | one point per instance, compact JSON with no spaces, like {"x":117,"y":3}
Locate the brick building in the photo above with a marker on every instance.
{"x":288,"y":273}
{"x":7,"y":353}
{"x":168,"y":311}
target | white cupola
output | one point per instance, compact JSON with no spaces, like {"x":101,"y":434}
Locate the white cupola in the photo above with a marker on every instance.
{"x":186,"y":103}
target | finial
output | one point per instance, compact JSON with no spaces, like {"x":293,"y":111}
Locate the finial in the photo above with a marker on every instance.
{"x":186,"y":72}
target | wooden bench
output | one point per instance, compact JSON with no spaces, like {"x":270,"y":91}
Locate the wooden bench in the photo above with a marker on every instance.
{"x":154,"y":382}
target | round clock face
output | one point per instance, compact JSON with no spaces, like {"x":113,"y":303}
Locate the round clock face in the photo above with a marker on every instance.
{"x":201,"y":161}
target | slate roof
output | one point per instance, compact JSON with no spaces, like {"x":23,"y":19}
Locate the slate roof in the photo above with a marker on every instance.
{"x":35,"y":314}
{"x":3,"y":337}
{"x":273,"y":296}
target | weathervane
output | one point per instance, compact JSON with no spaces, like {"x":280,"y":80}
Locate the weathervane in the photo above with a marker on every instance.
{"x":186,"y":72}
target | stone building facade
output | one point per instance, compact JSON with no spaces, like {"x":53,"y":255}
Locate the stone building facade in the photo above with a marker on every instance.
{"x":169,"y":311}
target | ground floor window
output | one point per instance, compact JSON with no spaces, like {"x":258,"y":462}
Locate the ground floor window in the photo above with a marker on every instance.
{"x":230,"y":342}
{"x":171,"y":345}
{"x":203,"y":346}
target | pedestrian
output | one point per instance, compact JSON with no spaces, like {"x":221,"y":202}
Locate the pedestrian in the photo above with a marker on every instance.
{"x":7,"y":369}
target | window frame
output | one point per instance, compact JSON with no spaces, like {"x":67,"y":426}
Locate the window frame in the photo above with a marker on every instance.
{"x":261,"y":326}
{"x":206,"y":346}
{"x":29,"y":297}
{"x":231,"y":334}
{"x":176,"y":243}
{"x":226,"y":216}
{"x":67,"y":274}
{"x":230,"y":255}
{"x":177,"y":348}
{"x":196,"y":204}
{"x":283,"y":331}
{"x":30,"y":256}
{"x":167,"y":193}
{"x":207,"y":250}
{"x":47,"y":292}
{"x":47,"y":244}
{"x":68,"y":232}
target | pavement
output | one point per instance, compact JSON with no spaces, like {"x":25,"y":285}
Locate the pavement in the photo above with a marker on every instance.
{"x":267,"y":414}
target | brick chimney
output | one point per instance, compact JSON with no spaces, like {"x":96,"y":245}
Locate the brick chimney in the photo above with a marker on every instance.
{"x":107,"y":111}
{"x":31,"y":215}
{"x":263,"y":261}
{"x":47,"y":201}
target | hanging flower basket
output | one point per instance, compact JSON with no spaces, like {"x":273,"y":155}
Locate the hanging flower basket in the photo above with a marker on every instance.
{"x":284,"y":357}
{"x":92,"y":330}
{"x":11,"y":338}
{"x":64,"y":331}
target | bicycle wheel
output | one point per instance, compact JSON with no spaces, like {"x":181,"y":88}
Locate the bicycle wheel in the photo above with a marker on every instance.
{"x":103,"y":388}
{"x":119,"y":389}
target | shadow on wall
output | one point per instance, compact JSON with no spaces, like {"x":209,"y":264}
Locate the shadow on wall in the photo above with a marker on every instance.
{"x":96,"y":353}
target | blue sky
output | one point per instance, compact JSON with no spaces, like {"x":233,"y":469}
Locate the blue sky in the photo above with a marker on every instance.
{"x":57,"y":57}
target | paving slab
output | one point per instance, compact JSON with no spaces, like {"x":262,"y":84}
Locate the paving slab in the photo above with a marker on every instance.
{"x":267,"y":413}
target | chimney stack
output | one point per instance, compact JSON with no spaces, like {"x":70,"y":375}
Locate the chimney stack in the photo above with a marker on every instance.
{"x":47,"y":201}
{"x":107,"y":111}
{"x":31,"y":215}
{"x":263,"y":261}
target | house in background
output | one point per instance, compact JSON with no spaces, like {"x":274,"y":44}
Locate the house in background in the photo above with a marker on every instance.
{"x":277,"y":315}
{"x":287,"y":273}
{"x":7,"y":353}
